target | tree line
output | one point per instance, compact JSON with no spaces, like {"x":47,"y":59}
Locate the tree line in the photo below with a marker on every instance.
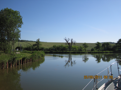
{"x":69,"y":47}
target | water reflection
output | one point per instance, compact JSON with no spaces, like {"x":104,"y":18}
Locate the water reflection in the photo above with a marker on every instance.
{"x":10,"y":78}
{"x":54,"y":55}
{"x":69,"y":62}
{"x":103,"y":57}
{"x":85,"y":58}
{"x":32,"y":65}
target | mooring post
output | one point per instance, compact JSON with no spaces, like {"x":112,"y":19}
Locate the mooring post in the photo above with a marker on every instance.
{"x":16,"y":63}
{"x":11,"y":65}
{"x":7,"y":65}
{"x":21,"y":66}
{"x":21,"y":61}
{"x":7,"y":70}
{"x":2,"y":65}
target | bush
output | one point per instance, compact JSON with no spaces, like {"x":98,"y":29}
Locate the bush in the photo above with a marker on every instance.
{"x":74,"y":48}
{"x":80,"y":48}
{"x":37,"y":54}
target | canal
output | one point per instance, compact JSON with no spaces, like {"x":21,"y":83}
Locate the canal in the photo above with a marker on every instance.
{"x":59,"y":72}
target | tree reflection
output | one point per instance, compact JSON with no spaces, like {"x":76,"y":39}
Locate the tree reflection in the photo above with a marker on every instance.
{"x":104,"y":57}
{"x":9,"y":79}
{"x":54,"y":55}
{"x":32,"y":65}
{"x":85,"y":58}
{"x":69,"y":61}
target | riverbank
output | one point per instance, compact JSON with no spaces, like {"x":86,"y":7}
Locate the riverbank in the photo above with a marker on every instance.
{"x":81,"y":52}
{"x":7,"y":60}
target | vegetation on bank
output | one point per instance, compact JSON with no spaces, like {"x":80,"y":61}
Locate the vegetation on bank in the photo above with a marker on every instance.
{"x":27,"y":55}
{"x":11,"y":21}
{"x":98,"y":48}
{"x":51,"y":44}
{"x":16,"y":58}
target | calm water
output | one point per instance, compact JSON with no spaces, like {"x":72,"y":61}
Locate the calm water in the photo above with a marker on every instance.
{"x":58,"y":72}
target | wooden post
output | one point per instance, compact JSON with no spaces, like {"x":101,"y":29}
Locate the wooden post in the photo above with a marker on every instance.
{"x":11,"y":64}
{"x":7,"y":65}
{"x":16,"y":64}
{"x":7,"y":70}
{"x":21,"y":61}
{"x":21,"y":66}
{"x":25,"y":60}
{"x":2,"y":65}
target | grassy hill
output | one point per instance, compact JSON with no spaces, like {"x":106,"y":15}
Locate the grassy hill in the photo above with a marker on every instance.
{"x":50,"y":44}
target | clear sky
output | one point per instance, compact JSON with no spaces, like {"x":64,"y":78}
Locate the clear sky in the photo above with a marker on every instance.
{"x":87,"y":21}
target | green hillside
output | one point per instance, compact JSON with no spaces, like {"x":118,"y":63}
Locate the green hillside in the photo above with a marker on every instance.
{"x":50,"y":44}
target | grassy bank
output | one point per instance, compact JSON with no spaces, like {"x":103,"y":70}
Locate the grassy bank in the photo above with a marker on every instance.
{"x":7,"y":60}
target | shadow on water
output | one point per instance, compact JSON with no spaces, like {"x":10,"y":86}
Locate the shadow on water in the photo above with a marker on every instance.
{"x":10,"y":78}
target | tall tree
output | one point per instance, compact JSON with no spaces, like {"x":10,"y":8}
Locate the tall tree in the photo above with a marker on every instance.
{"x":85,"y":46}
{"x":98,"y":46}
{"x":118,"y":44}
{"x":38,"y":44}
{"x":10,"y":22}
{"x":104,"y":46}
{"x":69,"y":43}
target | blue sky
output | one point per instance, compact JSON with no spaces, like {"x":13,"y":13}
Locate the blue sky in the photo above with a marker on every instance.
{"x":87,"y":21}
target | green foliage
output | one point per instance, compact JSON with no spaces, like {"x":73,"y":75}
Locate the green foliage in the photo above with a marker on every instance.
{"x":37,"y":54}
{"x":26,"y":54}
{"x":10,"y":21}
{"x":98,"y":46}
{"x":93,"y":49}
{"x":80,"y":48}
{"x":106,"y":46}
{"x":85,"y":46}
{"x":74,"y":48}
{"x":38,"y":43}
{"x":8,"y":49}
{"x":50,"y":44}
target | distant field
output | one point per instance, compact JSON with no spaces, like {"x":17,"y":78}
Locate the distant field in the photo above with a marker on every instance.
{"x":50,"y":44}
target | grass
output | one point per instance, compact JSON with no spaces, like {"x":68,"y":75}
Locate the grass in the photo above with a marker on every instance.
{"x":50,"y":44}
{"x":5,"y":57}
